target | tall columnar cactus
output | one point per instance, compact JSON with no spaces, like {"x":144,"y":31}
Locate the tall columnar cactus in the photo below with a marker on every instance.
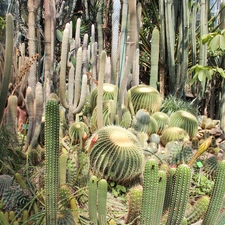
{"x":52,"y":160}
{"x":180,"y":195}
{"x":97,"y":195}
{"x":7,"y":64}
{"x":217,"y":196}
{"x":154,"y":58}
{"x":149,"y":196}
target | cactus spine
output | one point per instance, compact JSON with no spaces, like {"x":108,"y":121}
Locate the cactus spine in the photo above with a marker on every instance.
{"x":216,"y":200}
{"x":97,"y":194}
{"x":52,"y":160}
{"x":8,"y":63}
{"x":180,"y":195}
{"x":149,"y":197}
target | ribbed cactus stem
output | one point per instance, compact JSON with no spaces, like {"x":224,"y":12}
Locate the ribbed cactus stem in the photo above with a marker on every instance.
{"x":102,"y":196}
{"x":154,"y":58}
{"x":160,"y":195}
{"x":180,"y":195}
{"x":100,"y":89}
{"x":150,"y":189}
{"x":199,"y":210}
{"x":217,"y":196}
{"x":63,"y":64}
{"x":7,"y":64}
{"x":52,"y":160}
{"x":12,"y":114}
{"x":92,"y":199}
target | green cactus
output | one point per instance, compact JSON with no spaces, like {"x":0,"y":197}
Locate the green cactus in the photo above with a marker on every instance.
{"x":180,"y":195}
{"x":169,"y":188}
{"x":52,"y":160}
{"x":76,"y":131}
{"x":143,"y":97}
{"x":134,"y":199}
{"x":97,"y":195}
{"x":154,"y":58}
{"x":216,"y":200}
{"x":117,"y":154}
{"x":8,"y":63}
{"x":198,"y":211}
{"x":174,"y":134}
{"x":162,"y":120}
{"x":186,"y":121}
{"x":126,"y":118}
{"x":149,"y":196}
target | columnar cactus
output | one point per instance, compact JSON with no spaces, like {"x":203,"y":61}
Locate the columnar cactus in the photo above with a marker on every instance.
{"x":198,"y":210}
{"x":217,"y":196}
{"x":97,"y":195}
{"x":8,"y":63}
{"x":180,"y":195}
{"x":52,"y":160}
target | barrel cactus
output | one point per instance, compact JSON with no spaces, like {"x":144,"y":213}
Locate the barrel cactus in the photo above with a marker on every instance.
{"x":77,"y":130}
{"x":162,"y":119}
{"x":143,"y":97}
{"x":143,"y":122}
{"x":174,"y":134}
{"x":186,"y":121}
{"x":109,"y":93}
{"x":116,"y":154}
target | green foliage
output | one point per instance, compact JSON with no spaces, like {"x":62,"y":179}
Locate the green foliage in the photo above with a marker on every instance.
{"x":172,"y":104}
{"x":2,"y":25}
{"x":201,"y":185}
{"x":117,"y":189}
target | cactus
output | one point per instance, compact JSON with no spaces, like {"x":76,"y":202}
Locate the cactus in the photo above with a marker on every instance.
{"x":154,"y":58}
{"x":76,"y":131}
{"x":126,"y":118}
{"x":97,"y":194}
{"x":162,"y":120}
{"x":117,"y":155}
{"x":198,"y":210}
{"x":174,"y":134}
{"x":143,"y":97}
{"x":134,"y":199}
{"x":143,"y":122}
{"x":52,"y":160}
{"x":186,"y":121}
{"x":6,"y":182}
{"x":216,"y":200}
{"x":180,"y":195}
{"x":7,"y":64}
{"x":149,"y":196}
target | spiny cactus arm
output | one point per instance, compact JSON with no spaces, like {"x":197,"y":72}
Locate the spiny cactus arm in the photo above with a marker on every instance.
{"x":52,"y":160}
{"x":62,"y":164}
{"x":202,"y":148}
{"x":149,"y":196}
{"x":100,"y":89}
{"x":100,"y":34}
{"x":82,"y":96}
{"x":63,"y":64}
{"x":12,"y":114}
{"x":92,"y":200}
{"x":39,"y":101}
{"x":102,"y":196}
{"x":85,"y":54}
{"x":8,"y":63}
{"x":77,"y":88}
{"x":160,"y":196}
{"x":154,"y":58}
{"x":74,"y":210}
{"x":115,"y":39}
{"x":94,"y":66}
{"x":199,"y":210}
{"x":77,"y":35}
{"x":180,"y":195}
{"x":216,"y":197}
{"x":30,"y":110}
{"x":123,"y":38}
{"x":3,"y":218}
{"x":20,"y":180}
{"x":25,"y":216}
{"x":169,"y":188}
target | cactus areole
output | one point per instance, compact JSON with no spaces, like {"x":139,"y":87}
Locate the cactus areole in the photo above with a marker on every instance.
{"x":117,"y":155}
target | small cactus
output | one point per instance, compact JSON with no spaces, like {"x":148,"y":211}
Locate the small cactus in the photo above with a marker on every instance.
{"x":162,"y":120}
